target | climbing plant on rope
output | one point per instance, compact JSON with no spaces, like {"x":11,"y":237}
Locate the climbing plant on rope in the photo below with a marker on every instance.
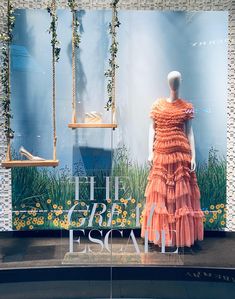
{"x":111,"y":72}
{"x":6,"y":39}
{"x":55,"y":58}
{"x":76,"y":39}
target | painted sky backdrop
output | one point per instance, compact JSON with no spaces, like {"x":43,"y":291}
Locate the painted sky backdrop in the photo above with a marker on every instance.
{"x":151,"y":44}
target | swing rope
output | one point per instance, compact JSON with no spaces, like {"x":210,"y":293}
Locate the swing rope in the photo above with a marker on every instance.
{"x":113,"y":115}
{"x":74,"y":118}
{"x":8,"y":154}
{"x":54,"y":90}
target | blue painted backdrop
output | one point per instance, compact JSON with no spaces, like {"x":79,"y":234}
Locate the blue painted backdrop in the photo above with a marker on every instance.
{"x":151,"y":44}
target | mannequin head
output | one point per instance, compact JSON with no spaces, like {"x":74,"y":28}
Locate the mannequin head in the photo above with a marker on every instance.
{"x":174,"y":79}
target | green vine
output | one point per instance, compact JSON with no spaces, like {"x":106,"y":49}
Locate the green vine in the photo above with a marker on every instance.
{"x":110,"y":73}
{"x":52,"y":30}
{"x":75,"y":24}
{"x":6,"y":39}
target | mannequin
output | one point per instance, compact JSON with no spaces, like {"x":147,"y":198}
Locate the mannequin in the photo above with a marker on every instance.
{"x":174,"y":80}
{"x":172,"y":210}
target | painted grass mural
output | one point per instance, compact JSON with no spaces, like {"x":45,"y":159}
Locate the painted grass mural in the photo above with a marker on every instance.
{"x":42,"y":198}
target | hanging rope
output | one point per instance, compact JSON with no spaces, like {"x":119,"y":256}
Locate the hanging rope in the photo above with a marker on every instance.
{"x":55,"y":58}
{"x":76,"y":39}
{"x":111,"y":72}
{"x":6,"y":39}
{"x":74,"y":118}
{"x":8,"y":155}
{"x":113,"y":105}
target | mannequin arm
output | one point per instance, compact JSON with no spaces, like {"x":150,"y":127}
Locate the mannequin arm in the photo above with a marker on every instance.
{"x":190,"y":136}
{"x":151,"y":141}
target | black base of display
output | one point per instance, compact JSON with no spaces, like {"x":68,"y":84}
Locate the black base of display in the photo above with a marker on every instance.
{"x":65,"y":233}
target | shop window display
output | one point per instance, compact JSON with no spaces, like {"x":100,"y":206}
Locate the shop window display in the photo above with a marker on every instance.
{"x":101,"y":180}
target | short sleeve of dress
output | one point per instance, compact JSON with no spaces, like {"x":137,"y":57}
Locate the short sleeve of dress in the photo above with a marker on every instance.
{"x":189,"y":111}
{"x":152,"y":113}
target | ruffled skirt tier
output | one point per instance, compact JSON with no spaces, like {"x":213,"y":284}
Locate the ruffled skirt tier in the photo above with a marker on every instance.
{"x":172,"y":202}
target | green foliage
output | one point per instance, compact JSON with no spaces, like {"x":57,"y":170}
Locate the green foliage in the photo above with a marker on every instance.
{"x":75,"y":24}
{"x":6,"y":39}
{"x":211,"y":177}
{"x":52,"y":30}
{"x":110,"y":73}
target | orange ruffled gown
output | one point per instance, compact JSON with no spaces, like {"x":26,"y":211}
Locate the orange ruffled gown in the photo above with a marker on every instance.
{"x":172,"y":193}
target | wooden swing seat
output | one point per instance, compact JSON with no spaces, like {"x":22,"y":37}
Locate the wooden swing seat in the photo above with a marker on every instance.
{"x":29,"y":163}
{"x":87,"y":125}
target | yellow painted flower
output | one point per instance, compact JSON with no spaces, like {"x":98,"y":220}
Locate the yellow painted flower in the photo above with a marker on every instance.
{"x":60,"y":208}
{"x":123,"y":220}
{"x":129,"y":222}
{"x":73,"y":223}
{"x":28,"y":222}
{"x":49,"y":200}
{"x":141,"y":221}
{"x":125,"y":201}
{"x":122,"y":200}
{"x":133,"y":200}
{"x":225,"y":216}
{"x":125,"y":212}
{"x":104,"y":224}
{"x":34,"y":214}
{"x":217,"y":206}
{"x":113,"y":222}
{"x":139,"y":205}
{"x":133,"y":215}
{"x":108,"y":215}
{"x":97,"y":220}
{"x":222,"y":222}
{"x":83,"y":204}
{"x":54,"y":206}
{"x":55,"y":222}
{"x":38,"y":205}
{"x":204,"y":219}
{"x":30,"y":227}
{"x":109,"y":200}
{"x":219,"y":211}
{"x":85,"y":213}
{"x":49,"y":217}
{"x":68,"y":202}
{"x":15,"y":223}
{"x":222,"y":206}
{"x":57,"y":213}
{"x":123,"y":216}
{"x":118,"y":220}
{"x":17,"y":213}
{"x":214,"y":216}
{"x":212,"y":207}
{"x":211,"y":220}
{"x":206,"y":212}
{"x":23,"y":216}
{"x":18,"y":227}
{"x":75,"y":202}
{"x":66,"y":216}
